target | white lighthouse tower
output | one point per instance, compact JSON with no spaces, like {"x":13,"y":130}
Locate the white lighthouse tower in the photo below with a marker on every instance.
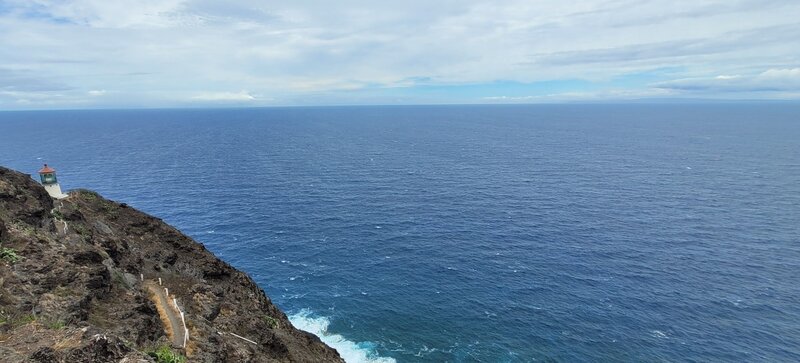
{"x":48,"y":176}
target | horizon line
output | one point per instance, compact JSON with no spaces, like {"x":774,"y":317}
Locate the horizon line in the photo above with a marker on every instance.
{"x":644,"y":101}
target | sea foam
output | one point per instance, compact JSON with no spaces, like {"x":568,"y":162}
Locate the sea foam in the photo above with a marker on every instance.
{"x":352,"y":352}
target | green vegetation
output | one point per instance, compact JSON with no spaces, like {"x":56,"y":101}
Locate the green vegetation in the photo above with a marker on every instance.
{"x":26,"y":319}
{"x":56,"y":325}
{"x":272,"y":322}
{"x":57,"y":214}
{"x":88,"y":194}
{"x":80,"y":229}
{"x":15,"y":319}
{"x":165,"y":355}
{"x":26,"y":229}
{"x":119,"y":279}
{"x":111,"y":211}
{"x":109,"y":206}
{"x":63,"y":291}
{"x":9,"y":255}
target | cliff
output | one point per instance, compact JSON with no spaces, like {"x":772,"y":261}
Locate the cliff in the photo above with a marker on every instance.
{"x":79,"y":283}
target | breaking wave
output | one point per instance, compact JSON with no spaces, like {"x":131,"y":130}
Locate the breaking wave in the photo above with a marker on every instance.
{"x":352,"y":352}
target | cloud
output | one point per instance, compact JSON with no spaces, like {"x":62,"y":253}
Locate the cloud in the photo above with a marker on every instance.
{"x":146,"y":52}
{"x":24,"y":81}
{"x":699,"y":46}
{"x":589,"y":96}
{"x":104,"y":14}
{"x":772,"y":80}
{"x":225,"y":97}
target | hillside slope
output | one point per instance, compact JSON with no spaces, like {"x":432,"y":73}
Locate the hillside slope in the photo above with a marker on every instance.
{"x":79,"y":283}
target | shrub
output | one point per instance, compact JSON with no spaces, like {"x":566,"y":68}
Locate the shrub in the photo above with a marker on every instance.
{"x":80,"y":229}
{"x":57,"y":214}
{"x":9,"y":254}
{"x":165,"y":355}
{"x":272,"y":322}
{"x":57,"y":325}
{"x":88,"y":194}
{"x":23,"y":320}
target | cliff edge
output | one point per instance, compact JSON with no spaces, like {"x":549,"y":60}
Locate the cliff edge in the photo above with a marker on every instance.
{"x":79,"y":282}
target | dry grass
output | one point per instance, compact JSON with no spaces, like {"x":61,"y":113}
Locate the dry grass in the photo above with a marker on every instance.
{"x":71,"y":341}
{"x":191,"y":346}
{"x":154,"y":296}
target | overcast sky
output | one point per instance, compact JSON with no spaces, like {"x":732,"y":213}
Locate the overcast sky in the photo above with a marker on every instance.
{"x":197,"y":53}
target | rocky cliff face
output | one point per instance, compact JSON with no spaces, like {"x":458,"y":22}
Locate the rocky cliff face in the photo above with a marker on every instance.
{"x":78,"y":283}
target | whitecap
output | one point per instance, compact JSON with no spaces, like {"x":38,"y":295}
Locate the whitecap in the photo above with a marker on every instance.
{"x":658,"y":334}
{"x":425,"y":351}
{"x":352,"y":352}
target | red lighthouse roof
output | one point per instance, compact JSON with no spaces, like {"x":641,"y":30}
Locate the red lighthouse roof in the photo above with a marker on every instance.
{"x":46,"y":170}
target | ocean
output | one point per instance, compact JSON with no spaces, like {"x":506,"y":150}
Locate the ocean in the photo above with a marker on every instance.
{"x":519,"y":233}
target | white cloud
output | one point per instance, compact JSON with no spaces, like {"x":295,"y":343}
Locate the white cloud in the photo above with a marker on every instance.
{"x":161,"y":50}
{"x":594,"y":96}
{"x":772,"y":80}
{"x":225,"y":96}
{"x":781,"y":74}
{"x":97,"y":93}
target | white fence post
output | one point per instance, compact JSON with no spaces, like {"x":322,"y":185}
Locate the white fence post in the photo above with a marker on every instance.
{"x":243,"y":338}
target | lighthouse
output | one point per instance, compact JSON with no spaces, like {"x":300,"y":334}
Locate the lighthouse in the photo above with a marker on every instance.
{"x":48,"y":176}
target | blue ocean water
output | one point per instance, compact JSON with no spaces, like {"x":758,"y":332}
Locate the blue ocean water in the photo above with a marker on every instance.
{"x":658,"y":233}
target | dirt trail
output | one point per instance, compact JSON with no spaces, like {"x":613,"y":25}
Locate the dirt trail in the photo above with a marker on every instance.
{"x":170,"y":316}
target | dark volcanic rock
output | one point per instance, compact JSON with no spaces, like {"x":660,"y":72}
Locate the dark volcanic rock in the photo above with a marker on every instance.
{"x":74,"y":293}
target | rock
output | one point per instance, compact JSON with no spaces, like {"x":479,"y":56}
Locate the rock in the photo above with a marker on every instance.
{"x":23,"y":199}
{"x":3,"y":231}
{"x":44,"y":355}
{"x":102,"y":227}
{"x":100,"y":349}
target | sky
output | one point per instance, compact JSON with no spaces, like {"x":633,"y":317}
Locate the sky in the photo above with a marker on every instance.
{"x":202,"y":53}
